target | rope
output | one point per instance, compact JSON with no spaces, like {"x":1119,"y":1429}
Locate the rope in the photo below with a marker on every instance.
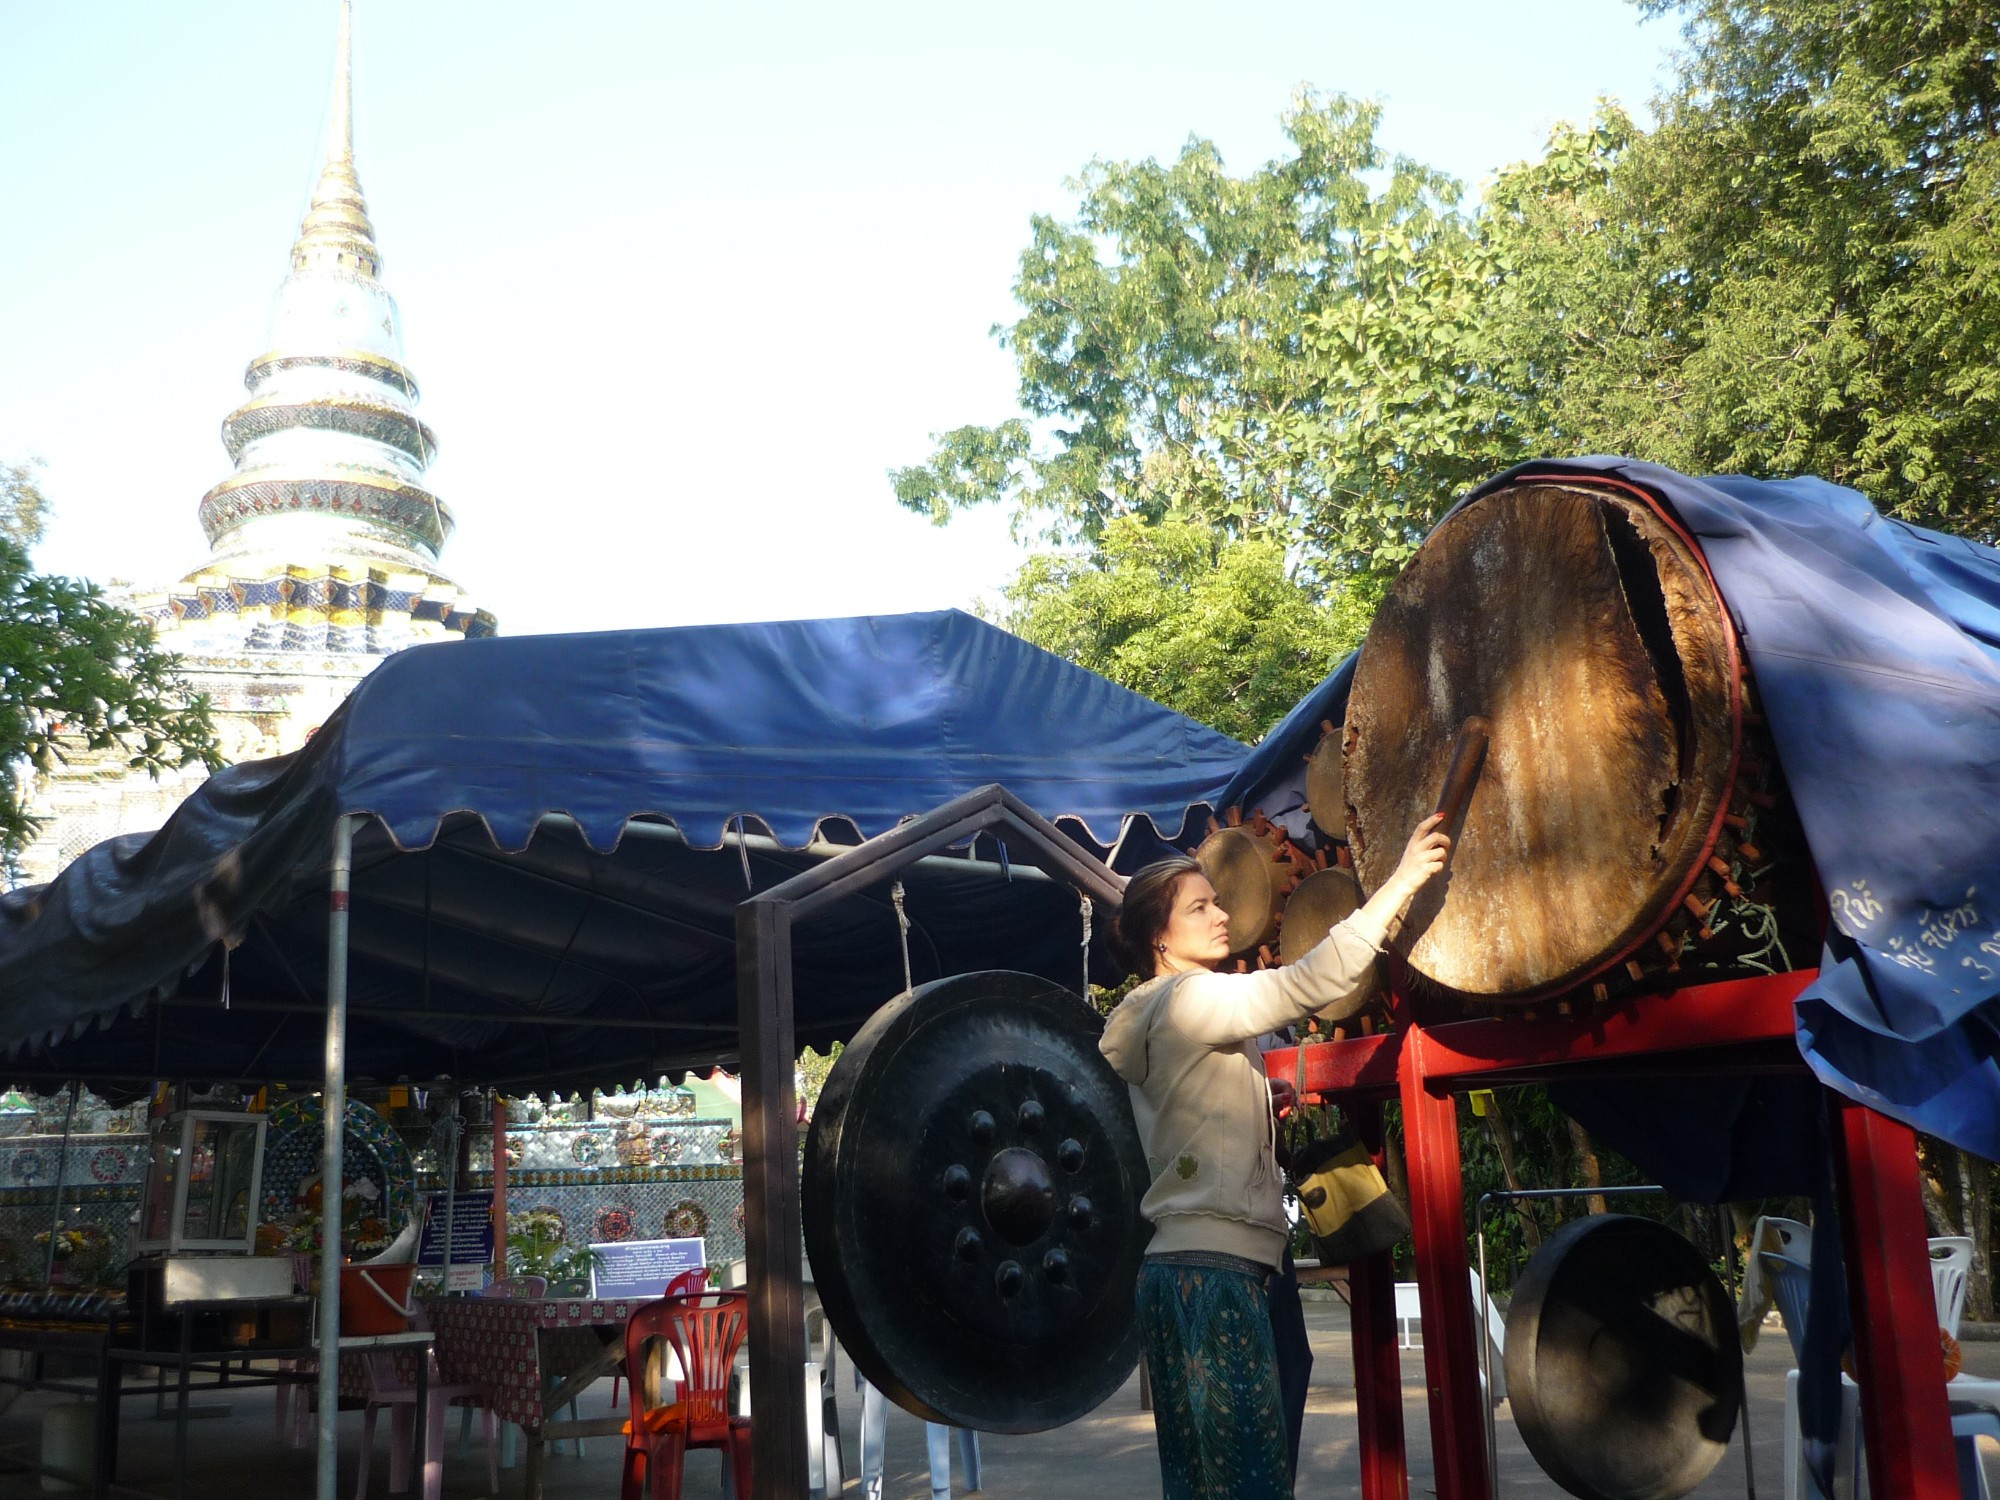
{"x":903,"y":933}
{"x":1083,"y":901}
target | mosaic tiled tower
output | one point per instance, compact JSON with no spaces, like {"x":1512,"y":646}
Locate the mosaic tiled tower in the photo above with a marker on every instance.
{"x":323,"y":542}
{"x":325,"y":537}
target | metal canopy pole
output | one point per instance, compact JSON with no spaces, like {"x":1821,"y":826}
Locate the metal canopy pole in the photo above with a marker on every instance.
{"x":332,"y":1168}
{"x":772,"y":1238}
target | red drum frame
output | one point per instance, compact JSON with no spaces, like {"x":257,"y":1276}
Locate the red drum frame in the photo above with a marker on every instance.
{"x":1740,"y":1026}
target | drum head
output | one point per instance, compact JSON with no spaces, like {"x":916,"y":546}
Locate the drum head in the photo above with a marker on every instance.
{"x":1585,"y":629}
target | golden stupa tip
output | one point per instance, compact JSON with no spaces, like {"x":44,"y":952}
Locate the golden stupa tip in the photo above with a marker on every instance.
{"x":336,"y":231}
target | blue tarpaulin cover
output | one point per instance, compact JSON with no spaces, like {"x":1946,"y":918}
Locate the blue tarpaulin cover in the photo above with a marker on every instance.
{"x":1876,"y":650}
{"x":500,"y":948}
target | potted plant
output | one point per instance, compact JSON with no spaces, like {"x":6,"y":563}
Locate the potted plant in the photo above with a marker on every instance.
{"x":537,"y":1246}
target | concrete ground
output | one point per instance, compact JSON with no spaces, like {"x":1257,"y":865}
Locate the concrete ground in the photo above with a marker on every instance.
{"x":1108,"y":1455}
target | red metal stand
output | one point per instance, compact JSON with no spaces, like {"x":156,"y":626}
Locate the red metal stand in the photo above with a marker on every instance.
{"x":1740,"y":1026}
{"x":1904,"y":1409}
{"x":1378,"y":1364}
{"x":1444,"y":1275}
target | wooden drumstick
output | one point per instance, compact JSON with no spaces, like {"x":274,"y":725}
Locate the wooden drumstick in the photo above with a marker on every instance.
{"x":1468,"y":759}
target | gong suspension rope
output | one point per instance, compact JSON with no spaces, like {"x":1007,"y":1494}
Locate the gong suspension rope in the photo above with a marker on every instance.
{"x":903,"y":933}
{"x":1083,"y":901}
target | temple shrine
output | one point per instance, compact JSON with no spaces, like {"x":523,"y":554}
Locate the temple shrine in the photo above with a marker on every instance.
{"x":324,"y":540}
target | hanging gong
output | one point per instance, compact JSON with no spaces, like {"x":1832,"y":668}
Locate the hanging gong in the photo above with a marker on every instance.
{"x":1622,"y":1360}
{"x":1251,"y":878}
{"x":1326,"y":791}
{"x":971,"y":1193}
{"x":1323,"y":900}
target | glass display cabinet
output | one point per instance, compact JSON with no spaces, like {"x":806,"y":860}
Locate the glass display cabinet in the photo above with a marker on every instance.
{"x":202,"y":1184}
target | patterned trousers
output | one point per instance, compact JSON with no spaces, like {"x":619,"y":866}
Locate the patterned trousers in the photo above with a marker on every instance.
{"x":1220,"y":1420}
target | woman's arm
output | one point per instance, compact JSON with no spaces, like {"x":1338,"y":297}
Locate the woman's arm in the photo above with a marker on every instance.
{"x":1220,"y":1010}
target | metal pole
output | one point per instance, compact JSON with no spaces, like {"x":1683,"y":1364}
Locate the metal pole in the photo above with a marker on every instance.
{"x":771,"y":1201}
{"x":332,"y":1167}
{"x":62,"y":1180}
{"x":1486,"y":1357}
{"x":450,"y":1149}
{"x":1728,"y":1228}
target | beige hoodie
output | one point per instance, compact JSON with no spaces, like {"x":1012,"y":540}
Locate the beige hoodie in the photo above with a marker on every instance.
{"x":1184,"y":1043}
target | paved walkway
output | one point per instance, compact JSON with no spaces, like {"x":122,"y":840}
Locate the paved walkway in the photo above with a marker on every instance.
{"x":1107,"y":1456}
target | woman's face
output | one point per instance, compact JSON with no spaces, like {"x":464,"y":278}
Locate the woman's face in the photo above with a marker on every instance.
{"x":1197,"y":934}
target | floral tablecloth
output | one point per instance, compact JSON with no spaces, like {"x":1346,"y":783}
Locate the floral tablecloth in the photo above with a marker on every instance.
{"x":514,"y":1350}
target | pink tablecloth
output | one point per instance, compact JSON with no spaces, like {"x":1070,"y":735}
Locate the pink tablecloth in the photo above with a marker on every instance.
{"x":513,"y":1350}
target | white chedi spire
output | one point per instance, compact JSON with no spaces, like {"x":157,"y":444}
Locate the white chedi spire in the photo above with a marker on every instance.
{"x":329,"y":452}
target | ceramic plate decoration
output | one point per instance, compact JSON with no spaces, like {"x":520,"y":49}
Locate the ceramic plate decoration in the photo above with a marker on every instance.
{"x":614,"y":1224}
{"x":686,"y":1220}
{"x":588,"y":1150}
{"x":28,"y":1167}
{"x":107,"y":1164}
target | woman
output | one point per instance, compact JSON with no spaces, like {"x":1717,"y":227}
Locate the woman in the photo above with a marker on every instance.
{"x":1182,"y":1042}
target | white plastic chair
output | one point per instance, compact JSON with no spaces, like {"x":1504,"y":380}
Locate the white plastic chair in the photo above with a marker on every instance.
{"x":825,"y":1468}
{"x":1967,"y":1428}
{"x":1409,"y":1310}
{"x":386,"y":1388}
{"x":937,"y":1439}
{"x":1790,"y":1271}
{"x":1951,"y":1262}
{"x":1496,"y":1335}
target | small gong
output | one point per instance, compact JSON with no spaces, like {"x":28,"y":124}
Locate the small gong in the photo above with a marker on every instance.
{"x":1326,"y":785}
{"x":1623,"y":1364}
{"x":1323,"y":900}
{"x":1250,"y":877}
{"x":970,"y":1194}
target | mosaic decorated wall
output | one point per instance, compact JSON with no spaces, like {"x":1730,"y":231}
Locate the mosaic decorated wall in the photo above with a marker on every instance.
{"x":647,"y":1167}
{"x":100,"y":1170}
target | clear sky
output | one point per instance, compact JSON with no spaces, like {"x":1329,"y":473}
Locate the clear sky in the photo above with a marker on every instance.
{"x":680,"y":282}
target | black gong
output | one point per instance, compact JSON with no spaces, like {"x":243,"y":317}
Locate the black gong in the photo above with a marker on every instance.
{"x":1622,"y":1360}
{"x":971,"y":1198}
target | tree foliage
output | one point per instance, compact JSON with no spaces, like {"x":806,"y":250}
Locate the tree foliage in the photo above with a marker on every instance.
{"x":1794,"y":272}
{"x":78,"y":673}
{"x":1216,"y":625}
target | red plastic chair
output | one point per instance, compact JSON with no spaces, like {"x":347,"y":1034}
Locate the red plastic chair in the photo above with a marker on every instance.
{"x":684,"y":1285}
{"x":704,"y":1331}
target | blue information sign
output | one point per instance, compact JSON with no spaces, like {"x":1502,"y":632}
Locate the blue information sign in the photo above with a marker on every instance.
{"x":642,"y":1268}
{"x":471,"y":1230}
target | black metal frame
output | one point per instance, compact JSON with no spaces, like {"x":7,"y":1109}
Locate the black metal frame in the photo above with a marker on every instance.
{"x":770,"y":1104}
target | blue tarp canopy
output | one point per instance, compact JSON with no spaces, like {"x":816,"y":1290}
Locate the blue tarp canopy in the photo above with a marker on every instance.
{"x":1876,"y":651}
{"x":561,"y":829}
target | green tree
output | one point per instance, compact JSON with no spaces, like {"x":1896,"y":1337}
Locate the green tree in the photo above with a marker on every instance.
{"x":78,"y":673}
{"x":23,"y":508}
{"x":1160,"y":345}
{"x":1218,"y":627}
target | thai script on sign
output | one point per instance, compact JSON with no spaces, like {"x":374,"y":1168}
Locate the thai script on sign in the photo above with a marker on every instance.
{"x":1940,"y":929}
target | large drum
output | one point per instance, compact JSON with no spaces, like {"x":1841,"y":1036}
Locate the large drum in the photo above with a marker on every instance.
{"x":1616,"y":801}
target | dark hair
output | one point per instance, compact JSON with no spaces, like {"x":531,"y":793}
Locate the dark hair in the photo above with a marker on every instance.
{"x":1148,"y":907}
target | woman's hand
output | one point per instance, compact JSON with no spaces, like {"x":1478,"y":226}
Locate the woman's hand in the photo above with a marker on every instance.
{"x":1283,"y":1096}
{"x":1424,"y":856}
{"x":1428,"y":851}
